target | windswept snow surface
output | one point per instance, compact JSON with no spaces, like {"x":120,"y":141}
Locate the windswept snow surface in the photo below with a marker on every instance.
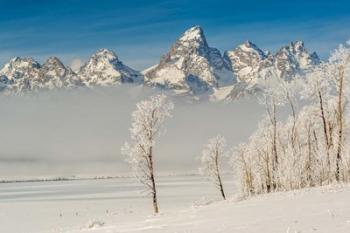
{"x":189,"y":204}
{"x":79,"y":205}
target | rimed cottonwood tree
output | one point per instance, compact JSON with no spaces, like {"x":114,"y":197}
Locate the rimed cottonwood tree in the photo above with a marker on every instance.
{"x":210,"y":160}
{"x":147,"y":125}
{"x":318,"y":90}
{"x":309,"y":148}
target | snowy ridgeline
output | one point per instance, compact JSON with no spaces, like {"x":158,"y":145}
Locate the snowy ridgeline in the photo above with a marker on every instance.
{"x":191,"y":68}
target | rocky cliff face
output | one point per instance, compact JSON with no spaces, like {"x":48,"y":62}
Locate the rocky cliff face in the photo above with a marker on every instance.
{"x":293,"y":59}
{"x":53,"y":74}
{"x":247,"y":60}
{"x":191,"y":66}
{"x":250,"y":63}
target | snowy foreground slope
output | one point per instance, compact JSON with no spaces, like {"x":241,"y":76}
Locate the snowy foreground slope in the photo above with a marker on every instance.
{"x":188,"y":204}
{"x":318,"y":210}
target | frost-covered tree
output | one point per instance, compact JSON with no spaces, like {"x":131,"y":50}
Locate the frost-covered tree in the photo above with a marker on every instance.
{"x":340,"y":60}
{"x":318,"y":88}
{"x":277,"y":93}
{"x":311,"y":146}
{"x":147,"y":125}
{"x":210,"y":161}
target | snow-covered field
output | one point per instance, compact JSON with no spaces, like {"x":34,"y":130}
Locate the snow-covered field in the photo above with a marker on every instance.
{"x":64,"y":206}
{"x":187,"y":204}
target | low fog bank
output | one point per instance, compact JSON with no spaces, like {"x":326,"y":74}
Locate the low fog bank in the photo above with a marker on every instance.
{"x":80,"y":132}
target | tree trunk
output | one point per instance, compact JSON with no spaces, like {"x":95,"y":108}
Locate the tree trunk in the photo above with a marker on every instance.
{"x":221,"y":188}
{"x":340,"y":123}
{"x":275,"y":135}
{"x":309,"y":159}
{"x":154,"y":190}
{"x":248,"y":178}
{"x":294,"y":130}
{"x":325,"y":131}
{"x":218,"y":174}
{"x":274,"y":147}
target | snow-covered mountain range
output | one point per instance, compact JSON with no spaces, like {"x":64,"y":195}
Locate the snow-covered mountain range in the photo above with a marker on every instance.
{"x":249,"y":62}
{"x":191,"y":67}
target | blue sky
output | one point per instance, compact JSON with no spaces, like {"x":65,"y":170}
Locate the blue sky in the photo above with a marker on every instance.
{"x":140,"y":31}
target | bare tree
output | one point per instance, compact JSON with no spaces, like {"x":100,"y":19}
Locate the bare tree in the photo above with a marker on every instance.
{"x":147,"y":122}
{"x":210,"y":161}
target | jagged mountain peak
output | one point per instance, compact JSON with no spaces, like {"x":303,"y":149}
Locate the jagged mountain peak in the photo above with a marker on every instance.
{"x":29,"y":60}
{"x":251,"y":48}
{"x":19,"y":67}
{"x":53,"y":66}
{"x":54,"y":61}
{"x":294,"y":58}
{"x":298,"y":45}
{"x":250,"y":63}
{"x":105,"y":69}
{"x":191,"y":42}
{"x":294,"y":47}
{"x":248,"y":46}
{"x":246,"y":60}
{"x":22,"y":75}
{"x":105,"y":54}
{"x":193,"y":37}
{"x":315,"y":57}
{"x":191,"y":66}
{"x":20,"y":63}
{"x":54,"y":74}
